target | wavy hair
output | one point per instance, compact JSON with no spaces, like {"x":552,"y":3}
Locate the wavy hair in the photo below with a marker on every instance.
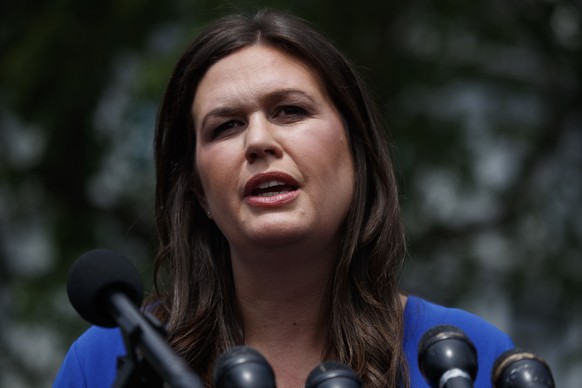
{"x":193,"y":281}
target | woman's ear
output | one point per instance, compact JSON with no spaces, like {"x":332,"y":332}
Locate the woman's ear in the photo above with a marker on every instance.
{"x":196,"y":188}
{"x":199,"y":193}
{"x":204,"y":205}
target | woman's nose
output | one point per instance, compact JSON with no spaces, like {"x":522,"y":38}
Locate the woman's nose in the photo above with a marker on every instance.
{"x":260,"y":141}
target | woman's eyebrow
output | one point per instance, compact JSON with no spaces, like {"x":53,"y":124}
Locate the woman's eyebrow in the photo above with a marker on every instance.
{"x":284,"y":93}
{"x":218,"y":112}
{"x":226,"y":110}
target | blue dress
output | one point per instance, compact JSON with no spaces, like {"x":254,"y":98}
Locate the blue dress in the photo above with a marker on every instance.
{"x":91,"y":360}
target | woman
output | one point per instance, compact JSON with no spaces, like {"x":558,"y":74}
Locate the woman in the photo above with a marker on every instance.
{"x":278,"y":217}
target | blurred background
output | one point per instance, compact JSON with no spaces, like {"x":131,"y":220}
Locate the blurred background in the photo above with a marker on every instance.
{"x":483,"y":100}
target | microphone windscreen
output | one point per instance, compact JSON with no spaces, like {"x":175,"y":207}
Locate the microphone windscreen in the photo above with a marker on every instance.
{"x":332,"y":374}
{"x":94,"y":276}
{"x":439,"y":333}
{"x":243,"y":367}
{"x":444,"y":348}
{"x":517,"y":368}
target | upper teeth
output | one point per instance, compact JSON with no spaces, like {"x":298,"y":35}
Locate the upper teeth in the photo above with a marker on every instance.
{"x":268,"y":184}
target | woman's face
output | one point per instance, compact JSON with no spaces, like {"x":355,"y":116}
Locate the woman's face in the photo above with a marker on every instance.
{"x":272,"y":152}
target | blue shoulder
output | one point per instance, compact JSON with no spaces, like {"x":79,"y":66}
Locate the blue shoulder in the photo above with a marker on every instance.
{"x":421,"y":315}
{"x":92,"y":359}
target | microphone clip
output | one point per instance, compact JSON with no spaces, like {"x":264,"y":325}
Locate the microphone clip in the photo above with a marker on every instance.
{"x":133,"y":369}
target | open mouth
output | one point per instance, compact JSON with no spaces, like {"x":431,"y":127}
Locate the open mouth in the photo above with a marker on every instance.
{"x":272,"y":188}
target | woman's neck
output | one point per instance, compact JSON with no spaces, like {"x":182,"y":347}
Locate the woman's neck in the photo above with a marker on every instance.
{"x":280,"y":299}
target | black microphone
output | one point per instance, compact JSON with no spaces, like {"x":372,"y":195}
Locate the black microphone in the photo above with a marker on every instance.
{"x":447,"y":358}
{"x":243,"y":367}
{"x":105,"y":288}
{"x":332,"y":374}
{"x":518,"y":368}
{"x":95,"y":277}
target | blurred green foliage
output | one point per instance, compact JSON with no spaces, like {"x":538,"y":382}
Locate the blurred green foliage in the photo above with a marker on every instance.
{"x":483,"y":101}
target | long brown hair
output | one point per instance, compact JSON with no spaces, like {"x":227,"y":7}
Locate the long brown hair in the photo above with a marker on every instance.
{"x":194,"y":292}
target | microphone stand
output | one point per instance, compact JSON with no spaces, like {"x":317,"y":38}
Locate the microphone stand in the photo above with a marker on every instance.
{"x":150,"y":360}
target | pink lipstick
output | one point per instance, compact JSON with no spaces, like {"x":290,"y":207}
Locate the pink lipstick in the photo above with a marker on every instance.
{"x":271,"y":189}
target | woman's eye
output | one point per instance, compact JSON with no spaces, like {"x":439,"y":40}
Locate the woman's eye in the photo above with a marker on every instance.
{"x":290,"y":114}
{"x":291,"y":111}
{"x":224,"y":128}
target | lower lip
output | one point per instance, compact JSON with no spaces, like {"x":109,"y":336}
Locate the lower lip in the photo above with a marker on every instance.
{"x":272,"y":201}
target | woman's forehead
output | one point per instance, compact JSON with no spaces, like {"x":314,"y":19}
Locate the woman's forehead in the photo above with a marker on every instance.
{"x":252,"y":71}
